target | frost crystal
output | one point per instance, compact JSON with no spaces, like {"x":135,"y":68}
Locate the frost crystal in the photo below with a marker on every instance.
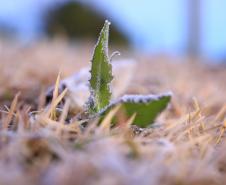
{"x":142,"y":98}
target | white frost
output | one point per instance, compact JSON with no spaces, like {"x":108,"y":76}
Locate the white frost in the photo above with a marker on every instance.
{"x":78,"y":86}
{"x":143,"y":98}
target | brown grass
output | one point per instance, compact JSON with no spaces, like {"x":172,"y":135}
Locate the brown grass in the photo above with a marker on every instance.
{"x":186,"y":145}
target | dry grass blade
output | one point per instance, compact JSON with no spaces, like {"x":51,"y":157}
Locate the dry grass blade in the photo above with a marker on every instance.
{"x":127,"y":132}
{"x":130,"y":120}
{"x":55,"y":95}
{"x":52,"y":110}
{"x":64,"y":113}
{"x":197,"y":107}
{"x":222,"y":131}
{"x":106,"y":123}
{"x":11,"y":112}
{"x":56,"y":88}
{"x":221,"y":114}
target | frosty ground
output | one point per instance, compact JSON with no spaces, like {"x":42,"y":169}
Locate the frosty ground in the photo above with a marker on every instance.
{"x":186,"y":145}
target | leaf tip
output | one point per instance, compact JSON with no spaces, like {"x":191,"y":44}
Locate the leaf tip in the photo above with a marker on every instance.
{"x":107,"y":22}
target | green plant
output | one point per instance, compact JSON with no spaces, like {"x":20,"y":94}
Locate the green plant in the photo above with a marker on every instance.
{"x":146,"y":107}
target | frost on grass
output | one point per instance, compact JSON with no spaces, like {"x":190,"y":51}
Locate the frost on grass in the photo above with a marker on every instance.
{"x":101,"y":74}
{"x":78,"y":86}
{"x":146,"y":107}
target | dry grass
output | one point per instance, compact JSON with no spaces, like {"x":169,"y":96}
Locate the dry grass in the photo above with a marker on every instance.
{"x":186,"y":146}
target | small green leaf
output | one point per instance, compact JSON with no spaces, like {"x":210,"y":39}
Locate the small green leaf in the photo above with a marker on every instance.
{"x":101,"y":74}
{"x":146,"y":107}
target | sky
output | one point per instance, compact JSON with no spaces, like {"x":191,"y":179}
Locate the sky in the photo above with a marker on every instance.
{"x":24,"y":16}
{"x":214,"y":28}
{"x":152,"y":26}
{"x":147,"y":25}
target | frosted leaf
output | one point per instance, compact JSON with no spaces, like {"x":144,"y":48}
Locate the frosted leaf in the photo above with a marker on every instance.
{"x":101,"y":74}
{"x":146,"y":107}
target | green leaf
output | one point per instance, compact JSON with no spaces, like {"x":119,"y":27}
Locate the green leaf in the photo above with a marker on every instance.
{"x":146,"y":107}
{"x":101,"y":74}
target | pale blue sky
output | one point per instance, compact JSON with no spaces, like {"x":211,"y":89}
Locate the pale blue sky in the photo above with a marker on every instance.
{"x":153,"y":26}
{"x":214,"y":28}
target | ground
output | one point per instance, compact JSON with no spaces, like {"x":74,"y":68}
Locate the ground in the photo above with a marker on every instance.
{"x":185,"y":146}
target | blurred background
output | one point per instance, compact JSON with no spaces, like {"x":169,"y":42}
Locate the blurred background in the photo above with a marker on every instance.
{"x":178,"y":45}
{"x":177,"y":27}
